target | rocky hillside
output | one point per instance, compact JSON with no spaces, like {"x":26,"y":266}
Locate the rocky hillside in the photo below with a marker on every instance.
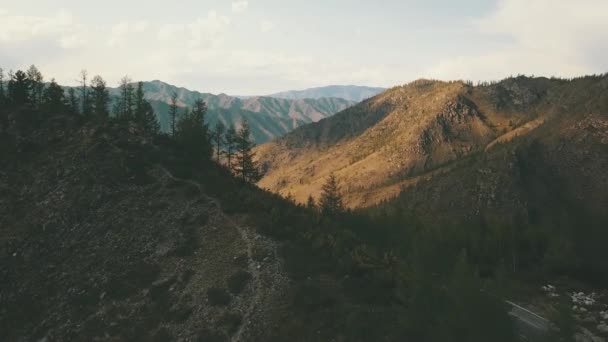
{"x":107,"y":234}
{"x":101,"y":240}
{"x":348,"y":92}
{"x":427,"y":130}
{"x":269,"y":117}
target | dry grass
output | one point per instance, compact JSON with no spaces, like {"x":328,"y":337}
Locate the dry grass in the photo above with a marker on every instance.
{"x":428,"y":124}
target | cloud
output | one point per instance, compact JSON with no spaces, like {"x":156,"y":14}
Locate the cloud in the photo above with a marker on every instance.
{"x":266,"y":26}
{"x":60,"y":28}
{"x":203,"y":32}
{"x":209,"y":30}
{"x":240,"y":6}
{"x":542,"y":37}
{"x":121,"y":33}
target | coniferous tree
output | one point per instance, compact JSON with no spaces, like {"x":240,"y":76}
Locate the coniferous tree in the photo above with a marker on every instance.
{"x":54,"y":98}
{"x":36,"y":85}
{"x":143,"y":112}
{"x":173,"y":113}
{"x":100,"y":99}
{"x":123,"y":108}
{"x":73,"y":101}
{"x":231,"y":139}
{"x":218,"y":137}
{"x":192,"y":133}
{"x":149,"y":121}
{"x":84,"y":94}
{"x":200,"y":111}
{"x":2,"y":92}
{"x":331,"y":198}
{"x":245,"y":167}
{"x":311,"y":203}
{"x":18,"y":88}
{"x":139,"y":102}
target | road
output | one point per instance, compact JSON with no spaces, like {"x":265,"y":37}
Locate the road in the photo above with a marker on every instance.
{"x":531,"y":326}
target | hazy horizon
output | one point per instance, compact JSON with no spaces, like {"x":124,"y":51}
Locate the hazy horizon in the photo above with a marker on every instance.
{"x":260,"y":47}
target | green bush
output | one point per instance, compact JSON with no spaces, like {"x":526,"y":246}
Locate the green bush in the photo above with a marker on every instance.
{"x":238,"y":281}
{"x":217,"y":296}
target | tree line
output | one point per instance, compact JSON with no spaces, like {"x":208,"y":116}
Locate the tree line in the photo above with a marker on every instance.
{"x":91,"y":101}
{"x":234,"y":148}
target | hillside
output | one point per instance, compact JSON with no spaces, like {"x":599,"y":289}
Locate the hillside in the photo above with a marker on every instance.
{"x":347,"y":92}
{"x":269,"y":117}
{"x":109,"y":234}
{"x":427,"y":129}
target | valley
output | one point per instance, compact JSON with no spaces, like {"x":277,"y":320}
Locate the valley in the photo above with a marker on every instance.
{"x":268,"y":117}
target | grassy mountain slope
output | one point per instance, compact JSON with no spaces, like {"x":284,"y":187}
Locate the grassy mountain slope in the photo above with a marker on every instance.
{"x":269,"y":117}
{"x":424,"y":130}
{"x":350,"y":93}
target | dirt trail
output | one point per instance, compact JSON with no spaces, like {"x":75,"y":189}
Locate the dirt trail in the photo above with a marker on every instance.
{"x":271,"y":270}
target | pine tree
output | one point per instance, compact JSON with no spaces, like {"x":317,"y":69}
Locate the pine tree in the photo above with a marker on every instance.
{"x":245,"y":167}
{"x":84,"y":94}
{"x":36,"y":85}
{"x":218,"y":137}
{"x":142,"y":111}
{"x":123,"y":108}
{"x":139,"y":102}
{"x":18,"y":88}
{"x":231,"y":138}
{"x":331,"y":198}
{"x":100,"y":99}
{"x":311,"y":203}
{"x":173,"y":113}
{"x":200,"y":111}
{"x":192,"y":133}
{"x":73,"y":101}
{"x":2,"y":92}
{"x":54,"y":98}
{"x":149,"y":121}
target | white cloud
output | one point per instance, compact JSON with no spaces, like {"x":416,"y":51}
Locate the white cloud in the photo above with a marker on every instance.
{"x":266,"y":26}
{"x":240,"y":6}
{"x":121,"y":32}
{"x":542,"y":37}
{"x":59,"y":27}
{"x":169,"y":32}
{"x":203,"y":32}
{"x":208,"y":31}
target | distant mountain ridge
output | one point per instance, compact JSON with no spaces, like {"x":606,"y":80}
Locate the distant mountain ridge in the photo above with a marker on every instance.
{"x":269,"y":117}
{"x":420,"y":133}
{"x":347,"y":92}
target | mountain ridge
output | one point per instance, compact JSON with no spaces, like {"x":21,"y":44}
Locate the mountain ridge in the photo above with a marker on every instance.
{"x":269,"y":117}
{"x":417,"y":130}
{"x":348,"y":92}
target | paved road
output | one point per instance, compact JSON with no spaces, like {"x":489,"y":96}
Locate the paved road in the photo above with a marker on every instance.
{"x":531,"y":326}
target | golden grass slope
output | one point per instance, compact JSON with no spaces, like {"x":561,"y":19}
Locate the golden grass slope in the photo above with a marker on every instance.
{"x":408,"y":133}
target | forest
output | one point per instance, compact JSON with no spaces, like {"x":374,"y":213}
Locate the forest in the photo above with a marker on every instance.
{"x":356,"y":275}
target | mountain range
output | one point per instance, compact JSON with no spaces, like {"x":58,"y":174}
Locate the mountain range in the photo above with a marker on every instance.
{"x":463,"y":197}
{"x":347,"y":92}
{"x":269,"y":117}
{"x":455,"y":146}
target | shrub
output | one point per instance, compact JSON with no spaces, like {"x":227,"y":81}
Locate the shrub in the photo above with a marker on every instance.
{"x":217,"y":296}
{"x":238,"y":281}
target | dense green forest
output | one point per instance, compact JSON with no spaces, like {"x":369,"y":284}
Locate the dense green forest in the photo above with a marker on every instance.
{"x":376,"y":274}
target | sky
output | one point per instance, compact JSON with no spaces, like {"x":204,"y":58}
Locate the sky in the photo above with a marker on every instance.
{"x":257,"y":47}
